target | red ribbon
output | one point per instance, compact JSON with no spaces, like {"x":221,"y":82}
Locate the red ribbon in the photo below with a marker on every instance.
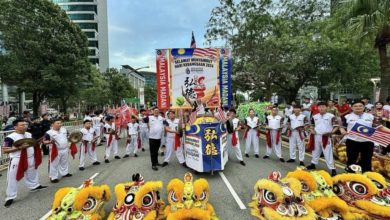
{"x":85,"y":146}
{"x":246,"y":133}
{"x":257,"y":132}
{"x":177,"y":141}
{"x":128,"y":140}
{"x":139,"y":143}
{"x":54,"y":152}
{"x":325,"y":140}
{"x":109,"y":140}
{"x":73,"y":149}
{"x":234,"y":139}
{"x":310,"y":144}
{"x":278,"y":136}
{"x":23,"y":161}
{"x":268,"y":138}
{"x":301,"y":135}
{"x":289,"y":133}
{"x":93,"y":146}
{"x":37,"y":155}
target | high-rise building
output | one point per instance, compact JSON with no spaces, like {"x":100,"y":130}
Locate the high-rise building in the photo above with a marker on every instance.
{"x":91,"y":16}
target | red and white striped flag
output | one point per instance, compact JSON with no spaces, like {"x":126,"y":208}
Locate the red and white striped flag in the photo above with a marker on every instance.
{"x":208,"y":52}
{"x":371,"y":134}
{"x":221,"y":114}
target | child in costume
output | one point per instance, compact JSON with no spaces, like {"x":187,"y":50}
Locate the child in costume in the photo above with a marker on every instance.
{"x":88,"y":144}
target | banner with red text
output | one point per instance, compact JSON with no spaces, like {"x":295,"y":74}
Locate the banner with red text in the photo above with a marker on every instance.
{"x":162,"y":78}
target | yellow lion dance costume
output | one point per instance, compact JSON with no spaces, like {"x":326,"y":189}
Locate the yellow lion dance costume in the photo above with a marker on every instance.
{"x":367,"y":192}
{"x":279,"y":199}
{"x":138,"y":200}
{"x":317,"y":189}
{"x":189,"y":200}
{"x":86,"y":202}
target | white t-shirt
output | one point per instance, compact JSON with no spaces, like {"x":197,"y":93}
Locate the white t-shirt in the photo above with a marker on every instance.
{"x":323,"y":123}
{"x":12,"y":138}
{"x":156,"y":127}
{"x":87,"y":134}
{"x":364,"y":119}
{"x":274,"y":122}
{"x":386,"y":107}
{"x":173,"y":125}
{"x":132,"y":128}
{"x":60,"y":137}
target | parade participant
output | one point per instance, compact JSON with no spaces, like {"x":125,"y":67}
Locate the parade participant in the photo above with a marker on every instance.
{"x":132,"y":137}
{"x":143,"y":129}
{"x":367,"y":105}
{"x":111,"y":139}
{"x":173,"y":139}
{"x":88,"y":144}
{"x":24,"y":161}
{"x":57,"y":138}
{"x":344,"y":109}
{"x":97,"y":126}
{"x":322,"y":127}
{"x":273,"y":135}
{"x":297,"y":122}
{"x":332,"y":109}
{"x":357,"y":146}
{"x":387,"y":106}
{"x":252,"y":133}
{"x":197,"y":104}
{"x":45,"y":123}
{"x":314,"y":109}
{"x":226,"y":110}
{"x":306,"y":107}
{"x":287,"y":112}
{"x":155,"y":126}
{"x":87,"y":116}
{"x":381,"y":115}
{"x":162,"y":144}
{"x":233,"y":141}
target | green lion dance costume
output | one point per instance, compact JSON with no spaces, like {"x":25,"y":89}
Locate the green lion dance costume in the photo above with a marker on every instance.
{"x":86,"y":202}
{"x":138,"y":200}
{"x":189,"y":200}
{"x":280,"y":199}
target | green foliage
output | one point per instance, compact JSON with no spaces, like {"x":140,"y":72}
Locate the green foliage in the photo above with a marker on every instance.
{"x":259,"y":108}
{"x":119,"y":86}
{"x":150,"y":94}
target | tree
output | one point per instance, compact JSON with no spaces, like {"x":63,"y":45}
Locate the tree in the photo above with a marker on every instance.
{"x":45,"y":53}
{"x":150,"y":94}
{"x":119,"y":86}
{"x":370,"y":19}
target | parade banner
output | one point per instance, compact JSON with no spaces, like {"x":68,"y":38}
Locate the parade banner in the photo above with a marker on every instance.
{"x":194,"y":74}
{"x":162,"y":79}
{"x":225,"y":79}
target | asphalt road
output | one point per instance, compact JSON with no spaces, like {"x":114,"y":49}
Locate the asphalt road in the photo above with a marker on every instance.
{"x":241,"y":178}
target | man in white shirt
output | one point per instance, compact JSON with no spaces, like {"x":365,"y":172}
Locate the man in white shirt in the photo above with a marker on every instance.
{"x":144,"y":132}
{"x":357,"y":146}
{"x":306,"y":108}
{"x":273,"y":135}
{"x":367,"y":105}
{"x":132,"y":137}
{"x":233,"y":140}
{"x":252,"y":133}
{"x":156,"y":128}
{"x":23,"y":164}
{"x":323,"y":126}
{"x":112,"y":137}
{"x":57,"y":138}
{"x":97,"y":126}
{"x":172,"y":139}
{"x":88,"y":144}
{"x":296,"y":134}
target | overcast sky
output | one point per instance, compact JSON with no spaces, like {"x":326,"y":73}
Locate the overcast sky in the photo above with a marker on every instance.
{"x":137,"y":27}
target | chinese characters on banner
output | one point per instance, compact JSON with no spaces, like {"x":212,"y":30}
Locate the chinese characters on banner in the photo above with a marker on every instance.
{"x":162,"y":79}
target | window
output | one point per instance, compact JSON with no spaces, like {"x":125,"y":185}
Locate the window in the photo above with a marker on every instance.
{"x":93,"y":43}
{"x":91,"y":52}
{"x":88,"y":26}
{"x":81,"y":16}
{"x":79,"y":8}
{"x":94,"y":60}
{"x":90,"y":34}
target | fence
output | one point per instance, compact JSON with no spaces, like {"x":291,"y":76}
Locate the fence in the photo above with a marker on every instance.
{"x":4,"y":159}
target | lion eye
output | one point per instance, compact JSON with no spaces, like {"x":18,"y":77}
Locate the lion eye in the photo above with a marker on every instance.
{"x":269,"y":196}
{"x":129,"y":199}
{"x":147,"y":200}
{"x":203,"y":196}
{"x":89,"y":204}
{"x":173,"y":196}
{"x":358,"y":188}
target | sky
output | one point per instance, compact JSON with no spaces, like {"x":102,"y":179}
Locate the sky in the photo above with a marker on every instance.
{"x":137,"y":27}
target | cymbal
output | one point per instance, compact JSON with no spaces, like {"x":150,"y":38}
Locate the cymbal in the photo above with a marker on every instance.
{"x":29,"y":141}
{"x":75,"y":137}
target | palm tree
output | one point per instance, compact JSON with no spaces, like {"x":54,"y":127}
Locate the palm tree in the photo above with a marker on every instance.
{"x":370,"y":19}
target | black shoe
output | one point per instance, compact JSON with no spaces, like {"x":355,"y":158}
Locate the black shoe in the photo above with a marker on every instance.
{"x":281,"y":160}
{"x":333,"y":173}
{"x":135,"y":155}
{"x":301,"y":163}
{"x":159,"y":164}
{"x":106,"y":161}
{"x":247,"y":155}
{"x":143,"y":149}
{"x":96,"y":163}
{"x":242,"y":163}
{"x":40,"y":187}
{"x":54,"y":181}
{"x":311,"y":167}
{"x":81,"y":168}
{"x":290,"y":161}
{"x":126,"y":156}
{"x":154,"y":168}
{"x":8,"y":203}
{"x":162,"y":154}
{"x":117,"y":157}
{"x":265,"y":157}
{"x":164,"y":164}
{"x":184,"y":165}
{"x":256,"y":155}
{"x":68,"y":175}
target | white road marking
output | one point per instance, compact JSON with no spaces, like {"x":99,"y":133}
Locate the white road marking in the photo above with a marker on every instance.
{"x":234,"y":194}
{"x":49,"y":213}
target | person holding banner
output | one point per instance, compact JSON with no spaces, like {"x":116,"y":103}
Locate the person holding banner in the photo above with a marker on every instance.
{"x":88,"y":144}
{"x":233,"y":140}
{"x":111,"y":139}
{"x":252,"y":134}
{"x":172,"y":139}
{"x":274,"y":134}
{"x":156,"y":129}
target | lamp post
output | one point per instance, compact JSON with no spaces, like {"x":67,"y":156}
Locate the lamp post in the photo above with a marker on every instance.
{"x":375,"y":81}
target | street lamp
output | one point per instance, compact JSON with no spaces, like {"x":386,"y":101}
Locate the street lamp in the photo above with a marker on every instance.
{"x":375,"y":81}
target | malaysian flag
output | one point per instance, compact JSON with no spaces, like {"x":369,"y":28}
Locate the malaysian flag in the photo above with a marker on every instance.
{"x":221,"y":114}
{"x":207,"y":52}
{"x":371,"y":134}
{"x":193,"y":42}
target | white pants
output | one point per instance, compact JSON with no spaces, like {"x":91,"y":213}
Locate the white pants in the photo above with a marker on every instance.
{"x":318,"y":149}
{"x":144,"y":137}
{"x":113,"y":147}
{"x":170,"y":147}
{"x":31,"y":178}
{"x":236,"y":148}
{"x":295,"y":140}
{"x":60,"y":166}
{"x":277,"y":147}
{"x":132,"y":147}
{"x":163,"y":142}
{"x":91,"y":154}
{"x":252,"y":139}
